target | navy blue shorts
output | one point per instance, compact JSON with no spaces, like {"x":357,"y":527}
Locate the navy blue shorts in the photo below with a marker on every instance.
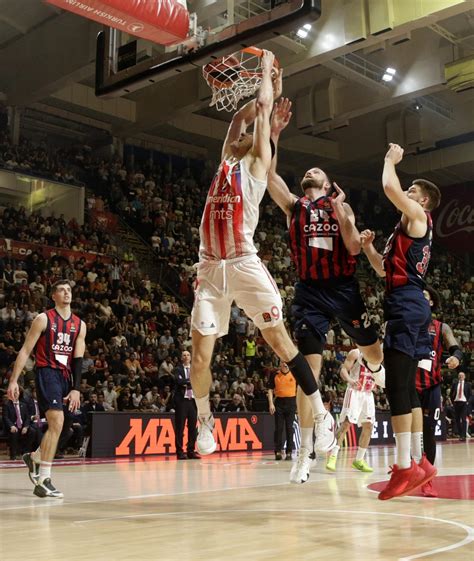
{"x":51,"y":388}
{"x":315,"y":305}
{"x":430,"y":398}
{"x":408,"y":317}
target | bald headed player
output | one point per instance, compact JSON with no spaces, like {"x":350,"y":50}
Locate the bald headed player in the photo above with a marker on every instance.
{"x":58,"y":339}
{"x":324,"y":242}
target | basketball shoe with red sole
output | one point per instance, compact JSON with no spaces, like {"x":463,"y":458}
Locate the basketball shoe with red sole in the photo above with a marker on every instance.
{"x":428,"y":468}
{"x":403,"y":481}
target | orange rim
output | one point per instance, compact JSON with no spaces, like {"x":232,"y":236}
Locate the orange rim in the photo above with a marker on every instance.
{"x":259,"y":52}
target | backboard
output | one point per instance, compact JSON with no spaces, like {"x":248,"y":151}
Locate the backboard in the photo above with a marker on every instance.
{"x":125,"y":64}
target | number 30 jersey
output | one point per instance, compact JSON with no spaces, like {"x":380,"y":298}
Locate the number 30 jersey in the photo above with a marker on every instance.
{"x":55,"y":347}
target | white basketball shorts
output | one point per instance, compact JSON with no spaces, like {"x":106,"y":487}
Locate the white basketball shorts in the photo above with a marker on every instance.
{"x":358,"y":407}
{"x":245,"y":280}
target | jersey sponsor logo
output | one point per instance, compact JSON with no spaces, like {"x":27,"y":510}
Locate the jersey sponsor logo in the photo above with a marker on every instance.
{"x":321,"y":228}
{"x":62,"y":348}
{"x":275,"y":311}
{"x":267,"y":318}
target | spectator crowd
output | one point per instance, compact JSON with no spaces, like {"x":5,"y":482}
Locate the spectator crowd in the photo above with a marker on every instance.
{"x":136,"y":330}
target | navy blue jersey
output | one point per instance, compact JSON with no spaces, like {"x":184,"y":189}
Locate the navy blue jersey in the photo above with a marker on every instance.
{"x":406,"y":259}
{"x":316,"y":243}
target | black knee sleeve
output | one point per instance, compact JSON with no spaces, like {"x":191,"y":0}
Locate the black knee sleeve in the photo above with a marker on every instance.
{"x":310,"y":345}
{"x":303,"y":374}
{"x":399,"y":382}
{"x":414,"y":397}
{"x":429,"y":440}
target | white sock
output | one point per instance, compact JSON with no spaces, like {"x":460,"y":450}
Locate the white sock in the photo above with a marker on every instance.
{"x":403,"y":440}
{"x":360,"y":453}
{"x":36,"y":456}
{"x":44,"y":471}
{"x":417,"y":446}
{"x":203,"y":407}
{"x":317,"y":404}
{"x":335,"y":451}
{"x":307,"y":438}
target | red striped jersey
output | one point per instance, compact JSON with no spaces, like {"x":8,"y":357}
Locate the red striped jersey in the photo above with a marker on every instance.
{"x":316,"y":243}
{"x":406,"y":259}
{"x":55,"y":346}
{"x":231,"y":213}
{"x":359,"y":372}
{"x":428,"y":373}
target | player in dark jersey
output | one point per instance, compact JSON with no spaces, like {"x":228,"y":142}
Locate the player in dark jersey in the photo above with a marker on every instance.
{"x":428,"y":380}
{"x":58,"y":338}
{"x":407,"y":314}
{"x":324,"y":242}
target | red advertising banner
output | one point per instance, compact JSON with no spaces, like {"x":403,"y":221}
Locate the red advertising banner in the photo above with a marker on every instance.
{"x":23,"y":249}
{"x":161,"y":21}
{"x":104,"y":220}
{"x":454,"y":219}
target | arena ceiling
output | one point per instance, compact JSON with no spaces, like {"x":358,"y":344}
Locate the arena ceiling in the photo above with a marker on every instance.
{"x":344,"y":113}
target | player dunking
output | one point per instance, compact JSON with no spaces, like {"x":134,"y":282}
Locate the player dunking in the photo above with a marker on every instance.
{"x":229,"y":268}
{"x":58,"y":338}
{"x":358,"y":407}
{"x":428,"y":380}
{"x":407,"y":314}
{"x":323,"y":243}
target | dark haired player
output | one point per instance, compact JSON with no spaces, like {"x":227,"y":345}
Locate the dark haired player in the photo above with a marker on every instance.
{"x":58,"y":339}
{"x":428,"y":380}
{"x":407,"y":314}
{"x":324,"y":242}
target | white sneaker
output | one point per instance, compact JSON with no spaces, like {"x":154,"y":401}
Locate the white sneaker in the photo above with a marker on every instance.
{"x":325,"y":431}
{"x":205,"y":439}
{"x":301,"y":468}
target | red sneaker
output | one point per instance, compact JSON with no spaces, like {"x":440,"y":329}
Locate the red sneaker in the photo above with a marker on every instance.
{"x":428,"y":468}
{"x":428,"y":490}
{"x":403,"y":481}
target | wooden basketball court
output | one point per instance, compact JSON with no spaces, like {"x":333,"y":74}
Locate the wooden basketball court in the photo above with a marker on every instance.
{"x":236,"y":507}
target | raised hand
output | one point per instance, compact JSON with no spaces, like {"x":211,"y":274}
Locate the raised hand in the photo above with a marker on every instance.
{"x":339,"y":197}
{"x":267,"y":61}
{"x":366,"y":238}
{"x":394,"y":154}
{"x":281,"y":115}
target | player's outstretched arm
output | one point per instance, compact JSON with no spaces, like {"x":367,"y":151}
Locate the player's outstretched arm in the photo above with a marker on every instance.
{"x":277,"y":188}
{"x":375,"y":259}
{"x":345,"y":216}
{"x":450,"y":343}
{"x":393,"y":189}
{"x":261,"y":151}
{"x":37,"y":327}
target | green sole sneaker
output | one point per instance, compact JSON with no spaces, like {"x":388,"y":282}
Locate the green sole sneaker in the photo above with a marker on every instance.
{"x":331,"y":463}
{"x":362,"y":465}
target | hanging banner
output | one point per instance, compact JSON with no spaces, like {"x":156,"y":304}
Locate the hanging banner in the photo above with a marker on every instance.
{"x":161,"y":21}
{"x":21,"y":250}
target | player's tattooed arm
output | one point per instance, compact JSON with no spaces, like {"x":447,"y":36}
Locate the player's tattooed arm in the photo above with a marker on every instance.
{"x":345,"y":216}
{"x":450,"y":343}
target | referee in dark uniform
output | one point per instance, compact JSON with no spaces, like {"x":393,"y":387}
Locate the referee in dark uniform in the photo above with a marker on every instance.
{"x":282,"y":403}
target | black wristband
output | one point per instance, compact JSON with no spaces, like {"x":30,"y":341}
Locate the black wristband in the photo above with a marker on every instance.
{"x":76,"y":372}
{"x":455,"y":351}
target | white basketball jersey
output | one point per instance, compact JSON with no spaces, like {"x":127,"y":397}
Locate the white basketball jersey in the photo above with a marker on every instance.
{"x":231,"y":213}
{"x":359,"y":372}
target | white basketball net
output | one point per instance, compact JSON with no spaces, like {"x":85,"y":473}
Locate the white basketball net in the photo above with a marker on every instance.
{"x":232,"y":78}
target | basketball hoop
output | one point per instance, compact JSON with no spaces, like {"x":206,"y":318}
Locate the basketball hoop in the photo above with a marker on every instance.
{"x":234,"y":77}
